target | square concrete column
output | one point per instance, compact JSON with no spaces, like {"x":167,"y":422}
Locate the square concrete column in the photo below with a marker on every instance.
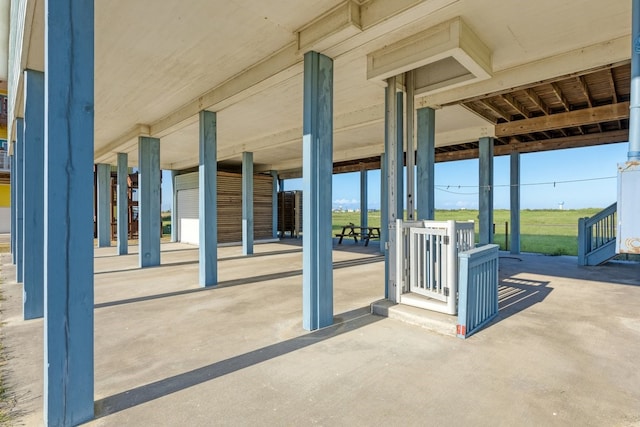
{"x":208,"y":200}
{"x":33,"y":291}
{"x":364,"y":203}
{"x":317,"y":170}
{"x":247,"y":203}
{"x":149,"y":219}
{"x":426,"y":130}
{"x":515,"y":202}
{"x":19,"y":155}
{"x":394,"y":165}
{"x":103,"y":197}
{"x":69,"y":113}
{"x":486,"y":191}
{"x":274,"y":205}
{"x":122,"y":208}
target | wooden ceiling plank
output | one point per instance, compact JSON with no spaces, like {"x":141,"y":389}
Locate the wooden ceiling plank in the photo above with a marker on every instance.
{"x":558,"y":92}
{"x":495,"y":109}
{"x":509,"y":99}
{"x":533,"y":96}
{"x":482,"y":114}
{"x":574,"y":118}
{"x":585,"y":90}
{"x":612,"y":85}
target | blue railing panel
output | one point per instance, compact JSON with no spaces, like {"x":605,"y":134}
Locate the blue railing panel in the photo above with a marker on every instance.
{"x":477,"y":289}
{"x":596,"y":232}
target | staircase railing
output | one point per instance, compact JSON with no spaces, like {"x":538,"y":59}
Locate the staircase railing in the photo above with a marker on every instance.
{"x":596,"y":232}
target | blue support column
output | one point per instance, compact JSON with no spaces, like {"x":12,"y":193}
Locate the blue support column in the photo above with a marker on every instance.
{"x":274,"y":204}
{"x":400,"y":155}
{"x":19,"y":154}
{"x":69,"y":113}
{"x":149,"y":201}
{"x":174,"y":207}
{"x":384,"y":219}
{"x":486,"y":191}
{"x":364,"y":202}
{"x":247,"y":203}
{"x":410,"y":157}
{"x":103,"y":197}
{"x":394,"y":166}
{"x":33,"y":291}
{"x":12,"y":178}
{"x":317,"y":170}
{"x":208,"y":203}
{"x":123,"y":204}
{"x":425,"y":157}
{"x":515,"y":202}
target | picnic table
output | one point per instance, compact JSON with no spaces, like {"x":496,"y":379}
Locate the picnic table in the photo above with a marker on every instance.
{"x":354,"y":231}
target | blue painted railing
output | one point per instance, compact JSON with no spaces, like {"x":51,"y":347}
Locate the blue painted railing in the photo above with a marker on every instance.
{"x":477,"y":289}
{"x":597,"y":236}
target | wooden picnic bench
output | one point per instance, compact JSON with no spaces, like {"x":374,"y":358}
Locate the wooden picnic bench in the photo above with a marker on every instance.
{"x":353,"y":232}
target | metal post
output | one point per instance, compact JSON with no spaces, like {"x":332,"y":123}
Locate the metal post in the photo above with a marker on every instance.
{"x":317,"y":169}
{"x":208,"y":200}
{"x":384,"y":203}
{"x":409,"y":83}
{"x":149,"y":201}
{"x":425,"y":156}
{"x":515,"y":202}
{"x":69,"y":149}
{"x":33,"y":220}
{"x":247,"y":203}
{"x":364,"y":204}
{"x":486,"y":191}
{"x":103,"y":196}
{"x":12,"y":178}
{"x":123,"y":204}
{"x":399,"y":174}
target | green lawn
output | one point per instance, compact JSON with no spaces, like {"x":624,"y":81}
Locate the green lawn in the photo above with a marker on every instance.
{"x":553,"y":232}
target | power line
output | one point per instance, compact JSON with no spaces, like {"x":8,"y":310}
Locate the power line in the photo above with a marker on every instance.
{"x":445,"y":188}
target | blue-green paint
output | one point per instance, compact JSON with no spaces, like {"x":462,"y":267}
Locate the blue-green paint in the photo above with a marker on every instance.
{"x":122,"y":208}
{"x":364,"y":204}
{"x":69,"y":149}
{"x":12,"y":180}
{"x":103,"y":198}
{"x":33,"y":290}
{"x":247,"y":203}
{"x":486,"y":191}
{"x":19,"y":154}
{"x":515,"y":202}
{"x":317,"y":170}
{"x":149,"y":221}
{"x":425,"y":162}
{"x":208,"y":196}
{"x":174,"y":207}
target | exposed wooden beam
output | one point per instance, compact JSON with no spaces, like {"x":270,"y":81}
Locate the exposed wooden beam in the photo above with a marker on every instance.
{"x":587,"y":116}
{"x":482,"y":114}
{"x":582,"y":83}
{"x":612,"y":85}
{"x":509,"y":99}
{"x":495,"y":109}
{"x":558,"y":92}
{"x":533,"y":96}
{"x":544,"y":145}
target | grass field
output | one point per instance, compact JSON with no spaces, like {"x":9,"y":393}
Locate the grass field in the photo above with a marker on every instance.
{"x":553,"y":232}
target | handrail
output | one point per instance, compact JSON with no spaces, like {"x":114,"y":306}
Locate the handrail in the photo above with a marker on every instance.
{"x":596,"y":232}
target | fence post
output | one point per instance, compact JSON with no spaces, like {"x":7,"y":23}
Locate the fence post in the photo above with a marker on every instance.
{"x":452,"y":268}
{"x":582,"y":241}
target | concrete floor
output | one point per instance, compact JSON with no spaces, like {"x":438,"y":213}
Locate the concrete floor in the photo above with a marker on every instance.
{"x":564,"y":350}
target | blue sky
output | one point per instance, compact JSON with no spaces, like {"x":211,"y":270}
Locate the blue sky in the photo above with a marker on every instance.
{"x":456,"y":182}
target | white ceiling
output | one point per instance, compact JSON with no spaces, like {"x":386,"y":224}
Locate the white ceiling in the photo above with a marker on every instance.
{"x":155,"y":60}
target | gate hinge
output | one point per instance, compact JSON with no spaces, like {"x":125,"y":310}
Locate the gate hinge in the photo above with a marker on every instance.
{"x":445,"y":291}
{"x":445,"y":240}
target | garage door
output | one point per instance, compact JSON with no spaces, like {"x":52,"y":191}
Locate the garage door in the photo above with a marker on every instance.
{"x":188,"y":216}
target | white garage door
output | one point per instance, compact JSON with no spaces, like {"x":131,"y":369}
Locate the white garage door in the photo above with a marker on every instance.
{"x":188,"y":216}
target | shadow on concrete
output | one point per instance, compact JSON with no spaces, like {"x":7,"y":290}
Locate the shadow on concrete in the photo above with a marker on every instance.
{"x":345,"y":322}
{"x":515,"y":295}
{"x":178,"y":263}
{"x":242,"y":281}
